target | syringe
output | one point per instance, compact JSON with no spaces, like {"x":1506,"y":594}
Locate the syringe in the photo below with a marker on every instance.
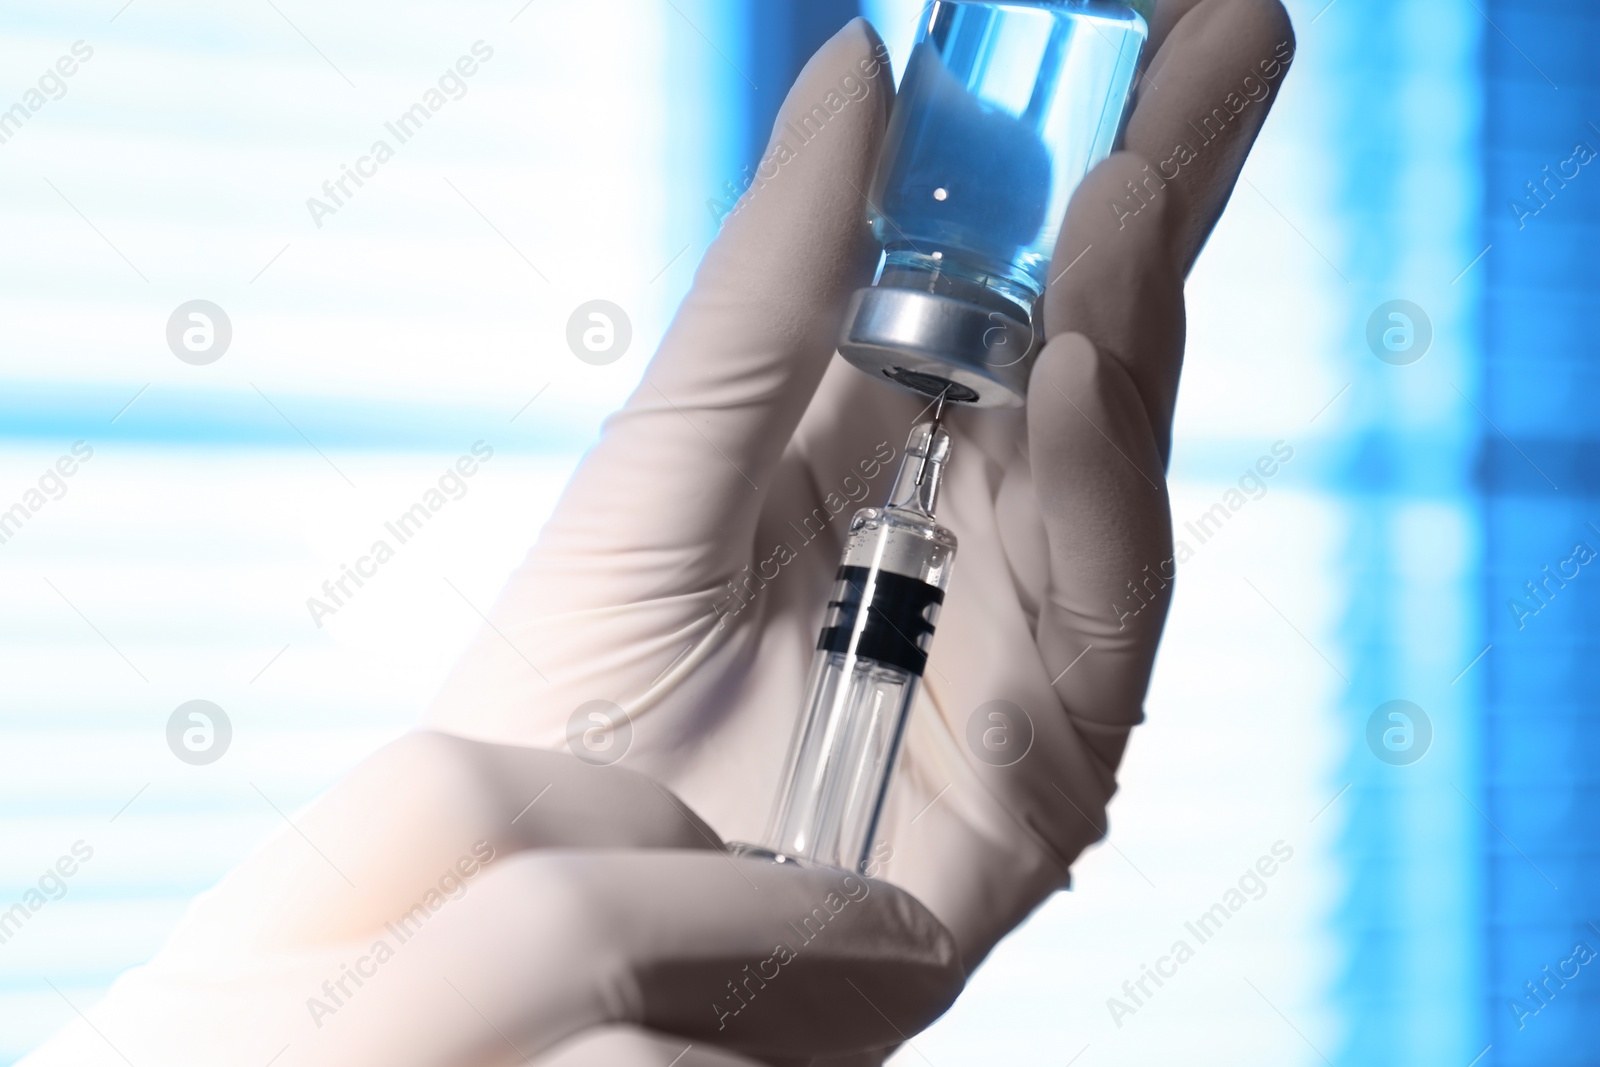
{"x":869,"y":661}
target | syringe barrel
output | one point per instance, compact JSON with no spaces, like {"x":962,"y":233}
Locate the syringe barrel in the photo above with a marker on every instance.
{"x":864,"y":678}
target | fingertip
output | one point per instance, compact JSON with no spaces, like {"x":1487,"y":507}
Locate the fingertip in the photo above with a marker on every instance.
{"x":806,"y":194}
{"x":863,"y":44}
{"x":930,"y":974}
{"x":861,"y":30}
{"x":1204,"y":99}
{"x":1222,"y":30}
{"x":1274,"y":17}
{"x":1260,"y":25}
{"x":850,"y":68}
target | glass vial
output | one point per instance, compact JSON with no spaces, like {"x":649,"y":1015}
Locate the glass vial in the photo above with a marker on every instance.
{"x":1004,"y":107}
{"x":869,"y":662}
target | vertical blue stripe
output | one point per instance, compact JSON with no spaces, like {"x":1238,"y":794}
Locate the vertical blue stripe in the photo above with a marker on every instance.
{"x":1402,"y":95}
{"x":1541,"y":780}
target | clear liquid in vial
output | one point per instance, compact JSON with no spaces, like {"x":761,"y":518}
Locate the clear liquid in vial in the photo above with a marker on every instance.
{"x":1003,"y":109}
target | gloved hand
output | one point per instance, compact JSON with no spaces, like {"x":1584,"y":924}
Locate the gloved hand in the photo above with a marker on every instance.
{"x":608,"y":918}
{"x":456,"y":904}
{"x":681,"y":577}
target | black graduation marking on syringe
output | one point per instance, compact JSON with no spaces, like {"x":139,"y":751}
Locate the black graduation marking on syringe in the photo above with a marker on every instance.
{"x":898,"y":622}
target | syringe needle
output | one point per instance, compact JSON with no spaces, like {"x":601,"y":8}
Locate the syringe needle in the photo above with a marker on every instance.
{"x":933,"y":433}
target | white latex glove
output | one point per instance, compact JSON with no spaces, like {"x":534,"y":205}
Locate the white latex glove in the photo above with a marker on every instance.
{"x":454,"y":904}
{"x":609,"y":922}
{"x":747,"y":425}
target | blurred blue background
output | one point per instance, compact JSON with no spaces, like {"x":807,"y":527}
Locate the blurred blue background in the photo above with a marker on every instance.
{"x":1427,"y":542}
